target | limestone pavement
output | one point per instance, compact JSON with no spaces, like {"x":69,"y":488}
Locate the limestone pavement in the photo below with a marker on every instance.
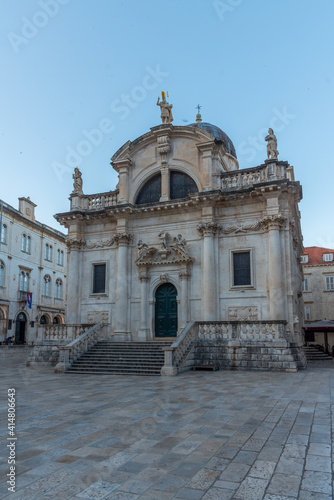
{"x":201,"y":435}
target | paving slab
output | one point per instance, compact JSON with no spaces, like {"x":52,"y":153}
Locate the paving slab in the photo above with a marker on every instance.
{"x":198,"y":436}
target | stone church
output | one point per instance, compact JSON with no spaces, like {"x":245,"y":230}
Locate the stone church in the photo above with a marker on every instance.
{"x":189,"y":239}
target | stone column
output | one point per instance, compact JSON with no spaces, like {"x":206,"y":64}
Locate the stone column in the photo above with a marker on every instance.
{"x":123,"y":169}
{"x":144,"y":291}
{"x":206,"y":150}
{"x":122,"y":286}
{"x":276,"y":287}
{"x":165,"y":189}
{"x":74,"y":246}
{"x":209,"y":296}
{"x":184,"y":313}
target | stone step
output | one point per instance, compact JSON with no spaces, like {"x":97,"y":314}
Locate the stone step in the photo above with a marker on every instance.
{"x":108,"y":357}
{"x":313,"y":354}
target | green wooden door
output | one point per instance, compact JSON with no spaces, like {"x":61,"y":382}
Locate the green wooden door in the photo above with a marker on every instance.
{"x":166,"y":311}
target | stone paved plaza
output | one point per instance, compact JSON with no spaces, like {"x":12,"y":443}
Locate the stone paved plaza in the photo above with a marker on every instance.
{"x":201,"y":435}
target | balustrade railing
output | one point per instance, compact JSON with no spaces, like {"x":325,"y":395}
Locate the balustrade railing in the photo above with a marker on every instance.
{"x":177,"y":356}
{"x":60,"y":332}
{"x":101,"y":200}
{"x":265,"y":173}
{"x":72,"y":351}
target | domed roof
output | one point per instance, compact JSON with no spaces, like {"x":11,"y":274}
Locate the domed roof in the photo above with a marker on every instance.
{"x":218,"y":134}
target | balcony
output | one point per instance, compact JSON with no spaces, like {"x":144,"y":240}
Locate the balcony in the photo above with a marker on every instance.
{"x":22,"y":296}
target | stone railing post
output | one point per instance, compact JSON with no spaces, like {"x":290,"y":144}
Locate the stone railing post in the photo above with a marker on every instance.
{"x":169,"y":369}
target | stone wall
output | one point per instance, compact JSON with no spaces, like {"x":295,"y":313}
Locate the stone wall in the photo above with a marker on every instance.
{"x":248,"y":356}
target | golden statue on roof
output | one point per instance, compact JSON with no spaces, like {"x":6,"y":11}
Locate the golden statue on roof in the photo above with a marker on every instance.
{"x":166,"y":108}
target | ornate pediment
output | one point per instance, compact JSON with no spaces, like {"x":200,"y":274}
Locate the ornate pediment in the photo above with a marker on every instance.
{"x":169,"y":251}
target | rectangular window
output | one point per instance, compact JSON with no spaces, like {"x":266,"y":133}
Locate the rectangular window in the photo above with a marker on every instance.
{"x":307,"y":313}
{"x":304,"y":259}
{"x":306,"y":285}
{"x":99,"y":278}
{"x":327,"y":257}
{"x":329,"y":282}
{"x":241,"y":269}
{"x":46,"y":252}
{"x":50,"y":253}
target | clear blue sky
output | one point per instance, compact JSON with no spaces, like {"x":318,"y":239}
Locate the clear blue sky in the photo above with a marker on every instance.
{"x":70,"y":65}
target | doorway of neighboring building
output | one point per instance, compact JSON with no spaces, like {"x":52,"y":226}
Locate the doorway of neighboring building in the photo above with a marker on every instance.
{"x":166,"y":311}
{"x":20,"y":328}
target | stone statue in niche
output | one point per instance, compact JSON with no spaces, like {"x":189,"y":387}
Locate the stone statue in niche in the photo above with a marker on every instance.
{"x":166,"y":109}
{"x":77,"y":181}
{"x":271,"y":145}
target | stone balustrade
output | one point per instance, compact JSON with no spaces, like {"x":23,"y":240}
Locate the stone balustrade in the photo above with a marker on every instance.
{"x":271,"y":171}
{"x":72,"y":351}
{"x":254,"y":331}
{"x":60,"y":333}
{"x":231,"y":335}
{"x":177,"y":352}
{"x":101,"y":200}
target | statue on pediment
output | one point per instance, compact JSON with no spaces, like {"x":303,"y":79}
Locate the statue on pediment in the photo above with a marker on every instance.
{"x":166,"y":109}
{"x":77,"y":181}
{"x":271,"y":145}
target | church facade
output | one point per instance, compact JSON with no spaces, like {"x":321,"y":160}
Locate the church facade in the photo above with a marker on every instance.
{"x":188,"y":237}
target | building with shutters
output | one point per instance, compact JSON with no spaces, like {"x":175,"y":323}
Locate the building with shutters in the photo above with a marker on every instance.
{"x":186,"y":239}
{"x":33,"y":261}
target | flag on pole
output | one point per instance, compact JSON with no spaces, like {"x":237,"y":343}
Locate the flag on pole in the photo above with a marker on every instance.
{"x":29,"y":299}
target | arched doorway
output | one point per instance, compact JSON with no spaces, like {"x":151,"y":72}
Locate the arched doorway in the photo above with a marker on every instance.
{"x":166,"y":311}
{"x":20,"y":328}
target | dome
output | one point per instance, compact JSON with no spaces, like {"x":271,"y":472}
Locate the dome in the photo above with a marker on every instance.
{"x":218,"y":134}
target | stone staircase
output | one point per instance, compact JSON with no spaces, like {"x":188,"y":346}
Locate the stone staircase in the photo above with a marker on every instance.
{"x":122,"y":358}
{"x":313,"y":354}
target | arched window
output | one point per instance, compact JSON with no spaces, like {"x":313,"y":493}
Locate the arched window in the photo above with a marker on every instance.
{"x":25,"y":243}
{"x":151,"y":191}
{"x":44,"y":319}
{"x":3,"y":233}
{"x":46,"y":285}
{"x":24,"y":281}
{"x":59,"y":289}
{"x":2,"y":273}
{"x":181,"y":185}
{"x":48,"y":252}
{"x":60,"y":257}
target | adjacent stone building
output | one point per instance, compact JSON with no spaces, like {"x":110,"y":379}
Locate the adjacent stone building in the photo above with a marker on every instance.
{"x":32,"y":273}
{"x":318,"y":283}
{"x":318,"y":292}
{"x":189,"y":239}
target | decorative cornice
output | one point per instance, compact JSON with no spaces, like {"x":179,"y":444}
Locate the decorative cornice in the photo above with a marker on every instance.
{"x":208,"y":228}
